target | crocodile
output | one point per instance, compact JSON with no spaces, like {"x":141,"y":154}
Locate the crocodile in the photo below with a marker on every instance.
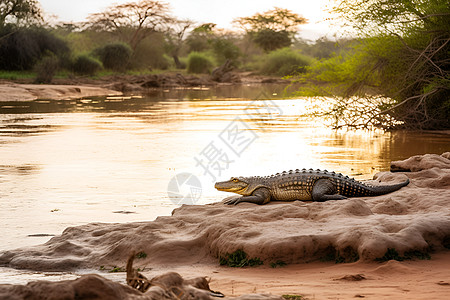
{"x":304,"y":185}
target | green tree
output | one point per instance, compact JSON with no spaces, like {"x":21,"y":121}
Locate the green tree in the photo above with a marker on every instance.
{"x":132,"y":22}
{"x":199,"y":38}
{"x":272,"y":29}
{"x":402,"y":55}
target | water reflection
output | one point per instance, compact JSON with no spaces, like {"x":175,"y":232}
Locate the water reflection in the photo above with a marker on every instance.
{"x":65,"y":163}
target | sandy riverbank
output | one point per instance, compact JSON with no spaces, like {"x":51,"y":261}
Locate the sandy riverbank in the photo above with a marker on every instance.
{"x":412,"y":223}
{"x":79,"y":87}
{"x":30,"y":92}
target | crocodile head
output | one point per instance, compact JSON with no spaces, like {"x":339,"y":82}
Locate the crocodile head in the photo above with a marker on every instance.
{"x":244,"y":186}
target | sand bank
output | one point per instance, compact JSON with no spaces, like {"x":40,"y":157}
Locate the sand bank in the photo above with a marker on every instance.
{"x":411,"y":223}
{"x":31,"y":92}
{"x":415,"y":219}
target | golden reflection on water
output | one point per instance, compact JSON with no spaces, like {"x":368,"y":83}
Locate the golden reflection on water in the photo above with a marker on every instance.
{"x":62,"y":169}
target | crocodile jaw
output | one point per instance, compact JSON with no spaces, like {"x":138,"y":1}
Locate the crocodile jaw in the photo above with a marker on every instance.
{"x":230,"y":186}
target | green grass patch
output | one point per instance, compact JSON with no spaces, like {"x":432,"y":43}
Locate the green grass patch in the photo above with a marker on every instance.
{"x":116,"y":269}
{"x":278,"y":263}
{"x":15,"y":75}
{"x":239,"y":259}
{"x":141,"y":255}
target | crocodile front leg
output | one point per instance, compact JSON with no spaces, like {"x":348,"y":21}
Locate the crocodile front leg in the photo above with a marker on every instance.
{"x":259,"y":196}
{"x":324,"y":190}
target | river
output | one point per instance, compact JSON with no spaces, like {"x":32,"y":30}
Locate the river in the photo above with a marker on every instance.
{"x":125,"y":159}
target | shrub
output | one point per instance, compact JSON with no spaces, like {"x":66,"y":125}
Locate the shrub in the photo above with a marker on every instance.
{"x":115,"y":57}
{"x":22,"y":49}
{"x":46,"y":69}
{"x":198,"y":63}
{"x":150,"y":54}
{"x":285,"y":62}
{"x":225,"y":50}
{"x":86,"y":65}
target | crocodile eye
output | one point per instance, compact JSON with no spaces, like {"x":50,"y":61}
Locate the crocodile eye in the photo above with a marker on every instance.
{"x":235,"y":180}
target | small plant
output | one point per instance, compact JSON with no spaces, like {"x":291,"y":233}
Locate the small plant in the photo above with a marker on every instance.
{"x":278,"y":263}
{"x":116,"y":269}
{"x":198,"y":63}
{"x":46,"y":69}
{"x":141,"y":255}
{"x":293,"y":297}
{"x":239,"y":259}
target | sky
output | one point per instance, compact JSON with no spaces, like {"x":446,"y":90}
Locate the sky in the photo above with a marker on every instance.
{"x":221,"y":12}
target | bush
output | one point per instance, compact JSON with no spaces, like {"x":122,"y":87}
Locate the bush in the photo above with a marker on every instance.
{"x":115,"y":57}
{"x":225,"y":50}
{"x":150,"y":54}
{"x":22,"y":49}
{"x":198,"y":63}
{"x":285,"y":62}
{"x":86,"y":65}
{"x":46,"y":69}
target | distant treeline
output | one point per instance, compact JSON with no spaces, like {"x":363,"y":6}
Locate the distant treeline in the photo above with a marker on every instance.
{"x":394,"y":74}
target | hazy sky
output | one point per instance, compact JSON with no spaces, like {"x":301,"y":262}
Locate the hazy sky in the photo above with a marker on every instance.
{"x":221,"y":12}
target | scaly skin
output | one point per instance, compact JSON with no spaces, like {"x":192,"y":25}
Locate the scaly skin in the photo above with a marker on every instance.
{"x":306,"y":185}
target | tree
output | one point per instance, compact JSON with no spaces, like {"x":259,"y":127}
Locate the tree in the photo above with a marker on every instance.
{"x":402,"y":56}
{"x":19,"y":12}
{"x":199,"y":38}
{"x":133,"y":21}
{"x":174,"y":38}
{"x":272,"y":29}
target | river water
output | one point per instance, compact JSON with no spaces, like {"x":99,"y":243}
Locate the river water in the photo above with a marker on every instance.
{"x":125,"y":159}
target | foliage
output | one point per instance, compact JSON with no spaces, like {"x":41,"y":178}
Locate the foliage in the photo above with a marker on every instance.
{"x":141,"y":255}
{"x":403,"y":57}
{"x":133,"y":21}
{"x":115,"y":57}
{"x":19,"y":12}
{"x":198,"y":63}
{"x":46,"y":69}
{"x":278,"y":263}
{"x":86,"y":65}
{"x":174,"y":39}
{"x":239,"y":259}
{"x":272,"y":29}
{"x":198,"y":39}
{"x":150,"y":54}
{"x":323,"y":48}
{"x":224,"y":49}
{"x":277,"y":19}
{"x":284,"y":62}
{"x":21,"y":49}
{"x":269,"y":39}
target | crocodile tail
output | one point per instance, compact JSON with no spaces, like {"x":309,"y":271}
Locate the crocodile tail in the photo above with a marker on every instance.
{"x":385,"y":189}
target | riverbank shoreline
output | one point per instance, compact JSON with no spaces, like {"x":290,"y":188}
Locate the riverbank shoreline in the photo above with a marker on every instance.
{"x":114,"y":85}
{"x":360,"y":247}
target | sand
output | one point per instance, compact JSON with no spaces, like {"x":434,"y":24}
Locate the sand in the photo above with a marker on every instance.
{"x":30,"y":92}
{"x":411,"y":224}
